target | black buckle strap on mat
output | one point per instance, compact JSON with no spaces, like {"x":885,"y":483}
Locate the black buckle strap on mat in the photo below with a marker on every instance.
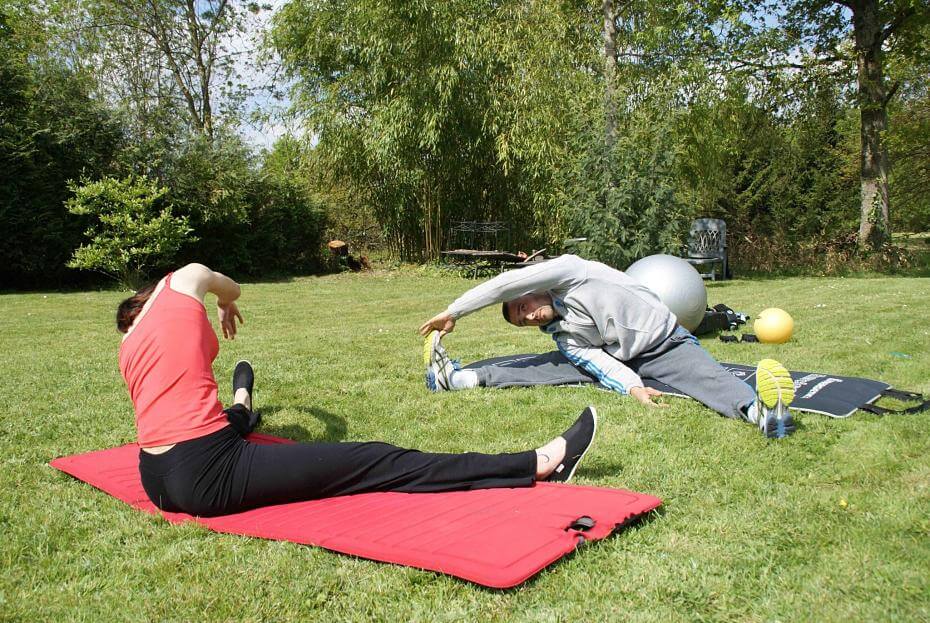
{"x":898,"y":394}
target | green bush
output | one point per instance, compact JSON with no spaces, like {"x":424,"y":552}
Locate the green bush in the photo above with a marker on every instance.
{"x":134,"y":231}
{"x":247,"y":220}
{"x":625,"y":202}
{"x":285,"y":229}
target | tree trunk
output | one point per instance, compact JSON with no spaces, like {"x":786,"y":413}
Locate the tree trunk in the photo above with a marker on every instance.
{"x":874,"y":224}
{"x":610,"y":72}
{"x":432,"y":220}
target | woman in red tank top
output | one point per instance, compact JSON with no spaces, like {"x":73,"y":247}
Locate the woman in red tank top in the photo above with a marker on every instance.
{"x":193,"y":454}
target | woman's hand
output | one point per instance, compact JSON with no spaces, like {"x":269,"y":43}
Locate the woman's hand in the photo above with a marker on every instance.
{"x":645,"y":395}
{"x":227,"y":314}
{"x":442,"y":322}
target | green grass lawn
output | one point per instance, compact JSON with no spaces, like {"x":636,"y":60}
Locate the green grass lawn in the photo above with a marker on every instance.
{"x":831,"y":524}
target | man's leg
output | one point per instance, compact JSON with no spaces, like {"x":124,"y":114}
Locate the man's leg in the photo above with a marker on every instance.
{"x":511,"y":371}
{"x":682,"y":363}
{"x":527,"y":370}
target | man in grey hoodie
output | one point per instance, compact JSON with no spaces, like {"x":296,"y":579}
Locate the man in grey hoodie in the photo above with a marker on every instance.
{"x":607,"y":326}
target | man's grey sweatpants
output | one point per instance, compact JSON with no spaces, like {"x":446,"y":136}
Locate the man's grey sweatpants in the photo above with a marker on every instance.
{"x":679,"y":361}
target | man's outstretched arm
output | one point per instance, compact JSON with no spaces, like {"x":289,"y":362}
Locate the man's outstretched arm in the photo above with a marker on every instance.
{"x":559,"y":272}
{"x":610,"y":372}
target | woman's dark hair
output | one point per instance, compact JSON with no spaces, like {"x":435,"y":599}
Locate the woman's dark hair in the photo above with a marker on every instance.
{"x":128,"y":310}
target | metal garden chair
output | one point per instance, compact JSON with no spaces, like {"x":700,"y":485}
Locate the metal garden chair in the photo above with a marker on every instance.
{"x":707,"y":247}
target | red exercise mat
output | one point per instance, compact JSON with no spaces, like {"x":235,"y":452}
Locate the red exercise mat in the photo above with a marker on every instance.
{"x":494,"y":537}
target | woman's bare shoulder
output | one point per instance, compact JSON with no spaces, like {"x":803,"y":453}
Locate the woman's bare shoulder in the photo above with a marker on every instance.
{"x":193,"y":279}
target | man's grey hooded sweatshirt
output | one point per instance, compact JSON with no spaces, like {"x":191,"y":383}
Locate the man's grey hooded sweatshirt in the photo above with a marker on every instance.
{"x":606,"y":316}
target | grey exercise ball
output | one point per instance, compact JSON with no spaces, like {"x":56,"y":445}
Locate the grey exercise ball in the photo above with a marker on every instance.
{"x":677,"y":284}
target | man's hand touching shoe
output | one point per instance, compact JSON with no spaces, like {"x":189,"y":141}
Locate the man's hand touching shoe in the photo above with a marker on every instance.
{"x":442,"y":322}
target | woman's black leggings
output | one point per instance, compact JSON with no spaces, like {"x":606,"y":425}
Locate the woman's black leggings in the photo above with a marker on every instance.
{"x":223,"y":473}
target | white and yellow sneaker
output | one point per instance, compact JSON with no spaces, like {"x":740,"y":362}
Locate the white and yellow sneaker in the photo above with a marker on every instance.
{"x":774,"y":394}
{"x":439,"y":367}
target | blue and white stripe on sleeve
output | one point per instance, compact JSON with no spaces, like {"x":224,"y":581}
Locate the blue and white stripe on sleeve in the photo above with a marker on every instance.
{"x":610,"y":372}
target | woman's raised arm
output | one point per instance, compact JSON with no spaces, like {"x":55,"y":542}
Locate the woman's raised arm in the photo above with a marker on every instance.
{"x":196,"y":280}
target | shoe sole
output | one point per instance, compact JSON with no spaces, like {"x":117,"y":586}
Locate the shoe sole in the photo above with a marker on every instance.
{"x":775,"y":390}
{"x":571,"y":474}
{"x":428,"y":349}
{"x":427,"y":352}
{"x":236,"y":367}
{"x":774,"y":384}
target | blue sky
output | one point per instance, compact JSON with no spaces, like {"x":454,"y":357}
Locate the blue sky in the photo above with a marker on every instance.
{"x":260,"y":134}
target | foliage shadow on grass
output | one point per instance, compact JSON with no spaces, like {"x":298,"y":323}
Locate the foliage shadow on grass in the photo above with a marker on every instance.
{"x":601,"y":470}
{"x":336,"y":427}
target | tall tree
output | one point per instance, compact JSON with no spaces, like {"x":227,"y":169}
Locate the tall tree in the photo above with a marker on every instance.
{"x":159,"y":53}
{"x":803,"y":34}
{"x":624,"y":200}
{"x":874,"y":22}
{"x":609,"y":10}
{"x":909,"y":137}
{"x":440,"y":111}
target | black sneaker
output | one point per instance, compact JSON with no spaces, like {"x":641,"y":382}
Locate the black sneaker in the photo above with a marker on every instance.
{"x":243,"y":376}
{"x":578,"y":439}
{"x":241,"y":418}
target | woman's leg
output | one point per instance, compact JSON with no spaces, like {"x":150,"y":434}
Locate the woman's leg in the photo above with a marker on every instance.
{"x":277,"y":473}
{"x":223,"y":473}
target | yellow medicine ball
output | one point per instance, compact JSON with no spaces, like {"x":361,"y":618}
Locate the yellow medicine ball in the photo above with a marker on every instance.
{"x":773,"y":326}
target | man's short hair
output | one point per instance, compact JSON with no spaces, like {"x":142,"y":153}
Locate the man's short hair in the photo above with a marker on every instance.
{"x":505,"y":310}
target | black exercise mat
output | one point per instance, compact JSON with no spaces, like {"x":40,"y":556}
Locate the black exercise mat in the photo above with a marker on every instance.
{"x":831,"y":395}
{"x":827,"y":394}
